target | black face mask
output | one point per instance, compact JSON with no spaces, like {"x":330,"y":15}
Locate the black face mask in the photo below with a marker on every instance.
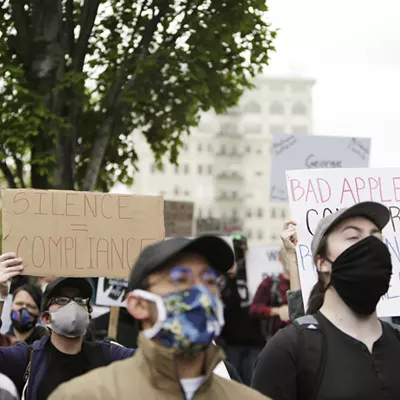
{"x":361,"y":274}
{"x":22,"y":320}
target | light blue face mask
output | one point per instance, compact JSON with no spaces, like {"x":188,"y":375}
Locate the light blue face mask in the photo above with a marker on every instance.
{"x":188,"y":320}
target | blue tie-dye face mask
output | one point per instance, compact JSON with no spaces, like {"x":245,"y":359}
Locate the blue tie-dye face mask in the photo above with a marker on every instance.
{"x":188,"y":320}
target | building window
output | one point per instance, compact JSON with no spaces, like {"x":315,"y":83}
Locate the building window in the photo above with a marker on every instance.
{"x":273,"y":237}
{"x":276,"y":108}
{"x":300,"y":129}
{"x":253,"y":129}
{"x":187,"y":193}
{"x":299,"y":109}
{"x":283,"y":214}
{"x":235,"y":213}
{"x":199,"y":147}
{"x":153,"y":168}
{"x":253,"y":108}
{"x":234,"y":195}
{"x":177,"y":169}
{"x":259,"y":173}
{"x":229,"y":128}
{"x":199,"y":169}
{"x":209,"y":148}
{"x":248,"y":149}
{"x":248,"y":214}
{"x":259,"y":151}
{"x":210,"y":169}
{"x":260,"y":235}
{"x":186,"y":169}
{"x":260,"y":213}
{"x":273,"y":213}
{"x":185,"y":147}
{"x":249,"y":234}
{"x":176,"y":190}
{"x":223,"y":149}
{"x":276,"y":129}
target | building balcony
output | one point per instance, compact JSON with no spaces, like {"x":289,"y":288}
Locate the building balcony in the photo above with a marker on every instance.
{"x":230,"y":175}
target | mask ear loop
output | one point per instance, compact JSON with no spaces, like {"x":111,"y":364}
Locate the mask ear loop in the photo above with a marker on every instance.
{"x":161,"y":311}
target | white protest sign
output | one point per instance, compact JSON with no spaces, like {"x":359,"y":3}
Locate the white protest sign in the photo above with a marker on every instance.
{"x":313,"y":194}
{"x":112,"y":292}
{"x":261,"y":261}
{"x":310,"y":152}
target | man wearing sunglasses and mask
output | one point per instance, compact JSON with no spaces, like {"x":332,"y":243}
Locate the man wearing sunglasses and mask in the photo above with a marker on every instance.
{"x":38,"y":369}
{"x":174,"y":293}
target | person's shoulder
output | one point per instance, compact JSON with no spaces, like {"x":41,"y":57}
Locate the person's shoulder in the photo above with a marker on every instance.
{"x":236,"y":390}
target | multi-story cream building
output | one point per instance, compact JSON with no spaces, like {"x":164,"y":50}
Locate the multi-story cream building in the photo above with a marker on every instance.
{"x":226,"y":162}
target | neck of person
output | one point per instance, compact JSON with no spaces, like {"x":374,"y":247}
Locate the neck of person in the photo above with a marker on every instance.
{"x":191,"y":368}
{"x":65,"y":344}
{"x":343,"y":317}
{"x":22,"y":336}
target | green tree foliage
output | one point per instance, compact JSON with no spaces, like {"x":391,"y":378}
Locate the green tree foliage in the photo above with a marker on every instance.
{"x":77,"y":77}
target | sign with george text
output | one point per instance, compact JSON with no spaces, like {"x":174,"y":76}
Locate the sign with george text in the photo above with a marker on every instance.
{"x":291,"y":152}
{"x":261,"y":262}
{"x":318,"y":193}
{"x":66,"y":233}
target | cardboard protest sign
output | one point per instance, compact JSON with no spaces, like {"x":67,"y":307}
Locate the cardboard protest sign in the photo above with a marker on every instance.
{"x":66,"y":233}
{"x":112,"y":292}
{"x":291,"y":152}
{"x":261,"y":262}
{"x":178,"y":216}
{"x":317,"y":193}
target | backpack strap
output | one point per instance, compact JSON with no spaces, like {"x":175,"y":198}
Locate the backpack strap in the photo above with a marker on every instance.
{"x":25,"y":380}
{"x":311,"y":357}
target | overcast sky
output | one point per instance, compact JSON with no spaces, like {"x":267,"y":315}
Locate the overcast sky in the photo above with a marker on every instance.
{"x":352,"y":49}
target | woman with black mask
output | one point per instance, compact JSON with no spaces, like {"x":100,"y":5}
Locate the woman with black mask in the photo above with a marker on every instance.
{"x":340,"y":349}
{"x":25,"y":312}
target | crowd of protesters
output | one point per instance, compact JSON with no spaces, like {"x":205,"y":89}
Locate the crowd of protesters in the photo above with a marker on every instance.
{"x":188,"y":305}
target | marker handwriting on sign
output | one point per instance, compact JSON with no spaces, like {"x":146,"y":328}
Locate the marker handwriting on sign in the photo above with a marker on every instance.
{"x":318,"y":190}
{"x":71,"y":204}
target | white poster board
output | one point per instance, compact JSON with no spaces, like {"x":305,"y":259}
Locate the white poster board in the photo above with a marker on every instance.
{"x":291,"y":152}
{"x":112,"y":292}
{"x":313,"y":194}
{"x":261,"y":261}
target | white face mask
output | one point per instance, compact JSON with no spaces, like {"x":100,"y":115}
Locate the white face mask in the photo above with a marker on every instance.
{"x":71,"y":320}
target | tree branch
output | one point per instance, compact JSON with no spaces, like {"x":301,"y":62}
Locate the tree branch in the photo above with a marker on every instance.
{"x":89,"y":13}
{"x":69,"y":27}
{"x":8,"y":175}
{"x":22,"y":25}
{"x":20,"y":171}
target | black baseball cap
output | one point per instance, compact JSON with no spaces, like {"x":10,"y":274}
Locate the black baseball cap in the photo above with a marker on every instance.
{"x":215,"y":250}
{"x":53,"y":288}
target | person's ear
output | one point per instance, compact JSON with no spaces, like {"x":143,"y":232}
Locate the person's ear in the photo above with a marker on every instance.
{"x":323,"y":265}
{"x":137,"y":307}
{"x":46,"y":318}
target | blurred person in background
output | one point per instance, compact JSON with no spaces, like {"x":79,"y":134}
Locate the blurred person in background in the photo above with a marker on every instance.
{"x":270,"y":302}
{"x":38,"y":369}
{"x":25,"y":313}
{"x":241,"y":337}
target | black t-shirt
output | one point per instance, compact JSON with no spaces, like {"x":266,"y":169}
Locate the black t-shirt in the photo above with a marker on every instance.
{"x":351,"y":371}
{"x":61,"y":368}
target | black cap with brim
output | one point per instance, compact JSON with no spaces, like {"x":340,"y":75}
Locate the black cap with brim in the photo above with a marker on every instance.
{"x":375,"y":212}
{"x":52,"y":289}
{"x":215,"y":250}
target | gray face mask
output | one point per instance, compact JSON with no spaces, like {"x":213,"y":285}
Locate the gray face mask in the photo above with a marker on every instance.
{"x":70,"y":320}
